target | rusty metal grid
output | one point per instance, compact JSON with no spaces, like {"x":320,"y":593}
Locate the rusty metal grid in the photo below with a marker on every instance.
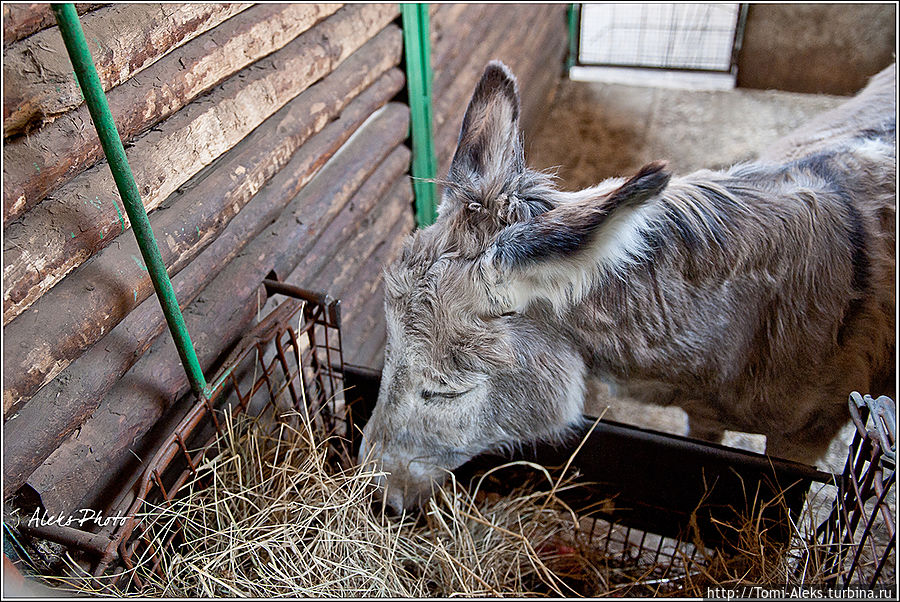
{"x":859,"y":534}
{"x":662,"y":563}
{"x":290,"y":361}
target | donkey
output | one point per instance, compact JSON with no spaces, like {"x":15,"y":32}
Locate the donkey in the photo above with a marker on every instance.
{"x":756,"y":298}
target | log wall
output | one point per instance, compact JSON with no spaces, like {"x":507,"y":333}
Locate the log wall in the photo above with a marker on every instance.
{"x":264,"y":138}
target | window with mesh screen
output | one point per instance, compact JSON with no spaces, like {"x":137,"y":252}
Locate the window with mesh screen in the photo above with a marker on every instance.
{"x":697,"y":37}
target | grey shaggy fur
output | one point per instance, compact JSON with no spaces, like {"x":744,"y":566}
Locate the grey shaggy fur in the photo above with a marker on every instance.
{"x":756,"y":298}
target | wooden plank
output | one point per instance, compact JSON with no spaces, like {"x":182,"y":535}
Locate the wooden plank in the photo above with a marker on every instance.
{"x":124,"y":39}
{"x":61,"y":408}
{"x":450,"y":26}
{"x":43,"y":341}
{"x":544,"y":79}
{"x":87,"y":461}
{"x":454,"y":48}
{"x":84,"y":216}
{"x":36,"y":165}
{"x":63,"y":405}
{"x":364,"y":291}
{"x":508,"y":51}
{"x":366,"y":333}
{"x":22,"y":20}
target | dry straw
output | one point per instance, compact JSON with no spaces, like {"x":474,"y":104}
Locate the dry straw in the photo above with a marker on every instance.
{"x":271,"y":516}
{"x":274,"y":515}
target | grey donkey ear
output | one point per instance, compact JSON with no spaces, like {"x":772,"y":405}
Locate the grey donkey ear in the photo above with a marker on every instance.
{"x":489,"y":139}
{"x":558,"y":254}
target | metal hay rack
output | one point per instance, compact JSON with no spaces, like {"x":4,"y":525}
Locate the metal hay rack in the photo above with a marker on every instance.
{"x":291,"y":361}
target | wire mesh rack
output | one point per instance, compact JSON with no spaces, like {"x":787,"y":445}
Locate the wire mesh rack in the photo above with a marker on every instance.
{"x":701,"y":37}
{"x":859,"y":536}
{"x":291,"y":361}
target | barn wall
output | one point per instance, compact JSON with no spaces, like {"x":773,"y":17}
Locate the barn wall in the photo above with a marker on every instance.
{"x":816,"y":48}
{"x":252,"y":130}
{"x":263,"y":138}
{"x":530,"y":38}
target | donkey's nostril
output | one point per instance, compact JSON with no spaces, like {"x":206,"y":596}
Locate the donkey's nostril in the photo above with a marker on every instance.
{"x":390,"y":503}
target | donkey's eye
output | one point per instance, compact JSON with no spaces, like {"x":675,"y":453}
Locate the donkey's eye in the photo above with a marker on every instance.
{"x":429,"y":395}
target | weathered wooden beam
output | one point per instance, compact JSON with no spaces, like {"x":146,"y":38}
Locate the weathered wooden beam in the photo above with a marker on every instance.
{"x":307,"y":214}
{"x":363,"y":287}
{"x":83,"y":216}
{"x":124,"y":39}
{"x":35,"y":166}
{"x":544,"y":79}
{"x":453,"y":48}
{"x":137,"y":423}
{"x":365,"y":333}
{"x":22,"y":20}
{"x":64,"y":404}
{"x":451,"y":27}
{"x":105,"y":289}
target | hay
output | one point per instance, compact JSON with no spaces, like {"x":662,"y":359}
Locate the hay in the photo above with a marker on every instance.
{"x":273,"y":514}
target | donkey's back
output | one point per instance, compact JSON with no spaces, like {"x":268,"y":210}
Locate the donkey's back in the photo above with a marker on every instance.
{"x":808,"y":241}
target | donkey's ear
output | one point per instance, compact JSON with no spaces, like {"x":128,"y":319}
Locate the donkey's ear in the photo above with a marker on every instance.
{"x":557,"y":255}
{"x":489,"y":140}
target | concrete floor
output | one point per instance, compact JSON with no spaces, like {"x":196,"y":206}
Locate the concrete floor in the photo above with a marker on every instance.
{"x":595,"y":131}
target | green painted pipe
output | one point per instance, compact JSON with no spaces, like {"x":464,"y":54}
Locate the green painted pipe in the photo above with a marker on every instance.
{"x":95,"y":98}
{"x":417,"y":43}
{"x":572,"y":15}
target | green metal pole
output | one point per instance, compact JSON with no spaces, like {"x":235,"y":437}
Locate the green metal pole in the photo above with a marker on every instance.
{"x":572,"y":14}
{"x":95,"y":98}
{"x":416,"y":42}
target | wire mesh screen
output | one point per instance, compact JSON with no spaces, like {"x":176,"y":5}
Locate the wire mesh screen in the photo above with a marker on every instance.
{"x":670,"y":36}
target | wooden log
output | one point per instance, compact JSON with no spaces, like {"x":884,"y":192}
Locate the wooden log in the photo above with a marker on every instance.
{"x":363,"y":303}
{"x":452,"y":26}
{"x":508,"y":50}
{"x":63,"y":405}
{"x":333,"y":250}
{"x":455,"y":84}
{"x":451,"y":106}
{"x":105,"y":289}
{"x":124,"y":39}
{"x":366,"y":333}
{"x":87,"y":461}
{"x":35,"y":166}
{"x":147,"y":445}
{"x":363,"y":317}
{"x":475,"y":29}
{"x":548,"y":37}
{"x":22,"y":20}
{"x":84,"y":216}
{"x":542,"y":83}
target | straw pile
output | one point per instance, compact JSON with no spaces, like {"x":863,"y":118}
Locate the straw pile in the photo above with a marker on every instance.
{"x":273,"y":515}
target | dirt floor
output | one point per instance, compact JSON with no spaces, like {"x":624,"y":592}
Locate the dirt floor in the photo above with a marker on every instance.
{"x":595,"y":131}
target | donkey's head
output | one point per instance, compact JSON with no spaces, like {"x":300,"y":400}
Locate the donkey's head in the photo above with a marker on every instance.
{"x":474,"y":359}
